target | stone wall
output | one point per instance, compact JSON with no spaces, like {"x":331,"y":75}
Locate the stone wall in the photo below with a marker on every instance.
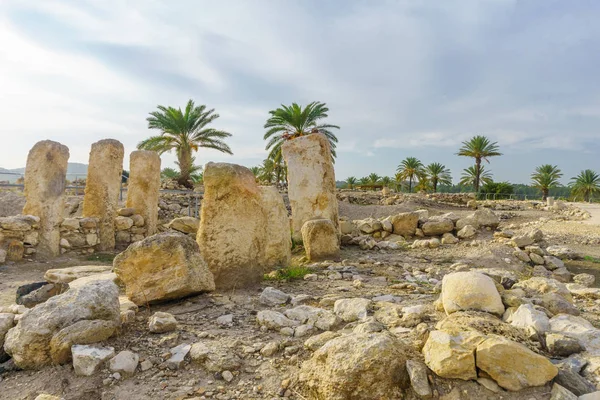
{"x":80,"y":235}
{"x":19,"y":236}
{"x":129,"y":227}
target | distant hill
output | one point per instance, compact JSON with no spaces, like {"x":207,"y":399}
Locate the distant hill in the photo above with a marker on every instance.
{"x":73,"y":170}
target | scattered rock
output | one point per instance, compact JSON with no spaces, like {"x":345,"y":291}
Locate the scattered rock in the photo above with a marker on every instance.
{"x":512,"y":365}
{"x":351,"y":310}
{"x":470,"y":291}
{"x":273,"y":297}
{"x":87,"y":360}
{"x":347,"y":366}
{"x":161,"y":322}
{"x":124,"y":363}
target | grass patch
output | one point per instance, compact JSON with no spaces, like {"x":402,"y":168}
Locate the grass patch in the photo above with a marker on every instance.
{"x":592,"y":259}
{"x":102,"y":257}
{"x":287,"y":274}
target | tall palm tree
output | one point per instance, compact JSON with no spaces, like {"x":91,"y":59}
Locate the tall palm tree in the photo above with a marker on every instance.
{"x":471,"y":175}
{"x":185,"y":132}
{"x":364,"y":180}
{"x":480,"y":148}
{"x":438,"y":174}
{"x":410,"y":168}
{"x":351,"y":181}
{"x":585,"y":185}
{"x":373,"y":178}
{"x":398,"y":181}
{"x":545,"y":178}
{"x":290,"y":122}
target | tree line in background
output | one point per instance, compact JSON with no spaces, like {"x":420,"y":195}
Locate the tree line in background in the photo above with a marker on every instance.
{"x":435,"y":177}
{"x":186,"y":131}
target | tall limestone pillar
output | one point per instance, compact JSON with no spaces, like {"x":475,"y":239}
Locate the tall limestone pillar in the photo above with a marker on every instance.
{"x":311,"y":181}
{"x":144,"y":186}
{"x":101,"y":199}
{"x":244,"y":228}
{"x":45,"y":181}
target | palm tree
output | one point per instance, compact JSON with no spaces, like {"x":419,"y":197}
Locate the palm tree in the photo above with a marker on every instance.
{"x":385,"y":181}
{"x":185,"y":132}
{"x":351,"y":181}
{"x":470,"y":176}
{"x":267,"y":171}
{"x":585,"y":185}
{"x":545,"y":178}
{"x":287,"y":123}
{"x":480,"y":148}
{"x":169,"y":173}
{"x":398,"y":181}
{"x":438,"y":174}
{"x":364,"y":180}
{"x":255,"y":171}
{"x":373,"y":178}
{"x":410,"y":168}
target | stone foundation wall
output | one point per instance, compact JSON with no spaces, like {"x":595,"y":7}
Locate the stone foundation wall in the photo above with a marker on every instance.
{"x":129,"y":227}
{"x":79,"y":234}
{"x":19,"y":236}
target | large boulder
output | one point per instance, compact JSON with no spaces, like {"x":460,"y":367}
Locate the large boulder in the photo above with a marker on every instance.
{"x":358,"y":366}
{"x":405,"y":224}
{"x":311,"y":181}
{"x":512,"y":365}
{"x":29,"y":343}
{"x":481,"y":218}
{"x":320,"y":239}
{"x":452,"y":355}
{"x":185,"y":225}
{"x":163,"y":267}
{"x":244,"y":228}
{"x":470,"y":291}
{"x":437,"y":227}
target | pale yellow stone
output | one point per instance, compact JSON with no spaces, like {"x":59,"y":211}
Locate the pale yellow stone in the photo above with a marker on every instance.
{"x":162,"y":267}
{"x":311,"y":181}
{"x":101,"y":198}
{"x":243,"y":232}
{"x":143,"y":186}
{"x":512,"y":365}
{"x":45,"y":181}
{"x":320,"y":240}
{"x":470,"y":291}
{"x":452,"y":355}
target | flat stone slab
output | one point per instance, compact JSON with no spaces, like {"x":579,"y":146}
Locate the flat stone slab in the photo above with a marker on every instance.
{"x":66,"y":275}
{"x":86,"y":280}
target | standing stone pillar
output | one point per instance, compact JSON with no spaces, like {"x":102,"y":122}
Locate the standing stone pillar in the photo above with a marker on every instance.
{"x":311,"y":181}
{"x":45,"y":181}
{"x":101,"y":199}
{"x":244,"y":228}
{"x":143,"y":186}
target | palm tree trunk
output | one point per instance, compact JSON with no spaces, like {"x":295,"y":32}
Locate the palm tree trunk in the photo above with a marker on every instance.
{"x":184,"y":157}
{"x":477,"y":173}
{"x":544,"y":194}
{"x":434,"y":181}
{"x":410,"y":184}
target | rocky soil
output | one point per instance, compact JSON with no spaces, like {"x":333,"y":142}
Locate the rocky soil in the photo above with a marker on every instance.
{"x":253,"y":343}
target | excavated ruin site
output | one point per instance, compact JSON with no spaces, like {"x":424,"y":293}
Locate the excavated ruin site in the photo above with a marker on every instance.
{"x":315,"y":293}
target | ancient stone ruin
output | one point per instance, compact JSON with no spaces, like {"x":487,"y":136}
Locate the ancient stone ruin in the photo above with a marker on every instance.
{"x":244,"y":229}
{"x":102,"y":188}
{"x":45,"y":180}
{"x":144,"y":185}
{"x":311,"y":181}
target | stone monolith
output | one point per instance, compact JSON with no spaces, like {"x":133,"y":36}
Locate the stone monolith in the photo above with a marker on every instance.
{"x":144,"y":185}
{"x":101,"y":199}
{"x":45,"y":181}
{"x":243,"y":230}
{"x":311,"y":181}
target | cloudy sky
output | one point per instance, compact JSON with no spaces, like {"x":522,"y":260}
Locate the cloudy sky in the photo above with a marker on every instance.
{"x":402,"y":78}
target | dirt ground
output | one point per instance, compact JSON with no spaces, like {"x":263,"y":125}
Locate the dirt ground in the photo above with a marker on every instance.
{"x":260,"y":377}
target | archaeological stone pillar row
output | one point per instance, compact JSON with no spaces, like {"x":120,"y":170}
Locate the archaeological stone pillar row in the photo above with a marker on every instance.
{"x":103,"y":183}
{"x":45,"y":181}
{"x":144,"y":186}
{"x":311,"y":181}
